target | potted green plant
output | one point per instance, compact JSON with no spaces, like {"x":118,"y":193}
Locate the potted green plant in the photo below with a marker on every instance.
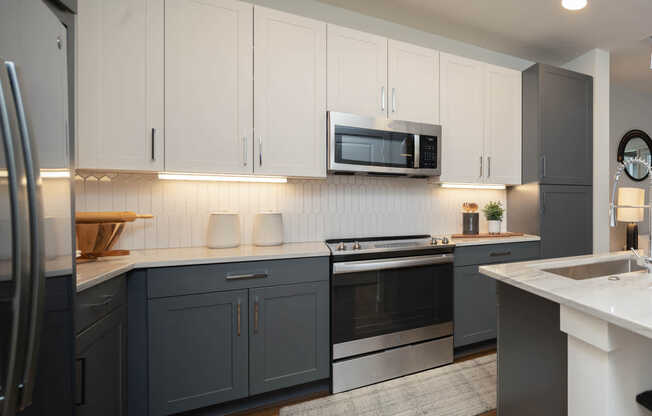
{"x":494,"y":211}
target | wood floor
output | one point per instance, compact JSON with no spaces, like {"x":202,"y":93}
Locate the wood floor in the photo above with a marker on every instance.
{"x":275,"y":409}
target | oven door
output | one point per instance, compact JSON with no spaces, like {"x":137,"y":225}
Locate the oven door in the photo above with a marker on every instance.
{"x":384,"y":303}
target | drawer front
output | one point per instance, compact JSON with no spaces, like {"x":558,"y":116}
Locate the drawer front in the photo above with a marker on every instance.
{"x":96,"y":302}
{"x":497,"y":253}
{"x":188,"y":280}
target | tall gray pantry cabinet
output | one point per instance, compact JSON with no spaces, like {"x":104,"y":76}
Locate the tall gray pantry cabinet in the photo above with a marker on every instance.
{"x":556,"y":198}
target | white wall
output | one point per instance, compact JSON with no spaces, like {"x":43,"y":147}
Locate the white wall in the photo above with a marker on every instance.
{"x":629,"y":110}
{"x":313,"y":210}
{"x":331,"y":14}
{"x":597,"y":64}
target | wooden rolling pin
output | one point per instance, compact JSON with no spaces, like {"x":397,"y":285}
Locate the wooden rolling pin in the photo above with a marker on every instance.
{"x":108,"y":216}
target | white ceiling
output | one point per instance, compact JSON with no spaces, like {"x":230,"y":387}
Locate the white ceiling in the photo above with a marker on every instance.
{"x":537,"y":30}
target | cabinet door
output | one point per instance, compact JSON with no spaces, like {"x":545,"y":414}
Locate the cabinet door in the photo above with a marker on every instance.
{"x":357,"y":72}
{"x":197,"y":351}
{"x":101,"y":367}
{"x":566,"y":127}
{"x":289,"y":94}
{"x":289,"y":342}
{"x":120,"y":84}
{"x":502,"y":125}
{"x":208,"y":86}
{"x":413,"y":83}
{"x":566,"y":221}
{"x":462,"y":119}
{"x":475,"y":306}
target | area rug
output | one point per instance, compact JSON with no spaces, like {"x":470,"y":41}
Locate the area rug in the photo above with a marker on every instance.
{"x":467,"y":388}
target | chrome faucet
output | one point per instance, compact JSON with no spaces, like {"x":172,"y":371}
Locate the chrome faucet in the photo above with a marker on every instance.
{"x":647,"y":261}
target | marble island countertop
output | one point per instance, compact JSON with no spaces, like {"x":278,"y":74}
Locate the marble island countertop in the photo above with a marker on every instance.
{"x":93,"y":273}
{"x":625,"y":302}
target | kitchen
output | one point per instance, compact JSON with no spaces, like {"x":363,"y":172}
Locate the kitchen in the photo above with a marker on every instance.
{"x":317,"y":208}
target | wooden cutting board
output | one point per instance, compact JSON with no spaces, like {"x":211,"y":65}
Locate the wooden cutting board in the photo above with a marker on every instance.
{"x":499,"y":235}
{"x":108,"y":216}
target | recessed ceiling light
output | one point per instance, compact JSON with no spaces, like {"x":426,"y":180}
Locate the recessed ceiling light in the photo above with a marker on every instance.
{"x":573,"y":4}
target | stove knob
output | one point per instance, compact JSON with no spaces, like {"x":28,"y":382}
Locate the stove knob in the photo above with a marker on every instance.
{"x":444,"y":240}
{"x":356,"y":245}
{"x":341,"y":247}
{"x":434,"y":241}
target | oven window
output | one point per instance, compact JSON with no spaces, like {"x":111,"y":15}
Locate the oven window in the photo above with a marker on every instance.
{"x":374,"y":303}
{"x":357,"y":146}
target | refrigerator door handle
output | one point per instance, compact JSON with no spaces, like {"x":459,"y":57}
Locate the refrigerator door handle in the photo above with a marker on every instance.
{"x":9,"y":387}
{"x":32,"y":173}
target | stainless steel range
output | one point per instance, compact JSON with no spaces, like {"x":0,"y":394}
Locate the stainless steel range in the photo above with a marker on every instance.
{"x":391,"y":307}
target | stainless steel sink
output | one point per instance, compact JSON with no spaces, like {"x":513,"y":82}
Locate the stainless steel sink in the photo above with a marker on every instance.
{"x":593,"y":270}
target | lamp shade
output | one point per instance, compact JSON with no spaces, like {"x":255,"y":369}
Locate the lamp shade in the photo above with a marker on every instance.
{"x":631,"y":196}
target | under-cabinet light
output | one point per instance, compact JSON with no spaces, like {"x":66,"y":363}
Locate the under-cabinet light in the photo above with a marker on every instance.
{"x":471,"y":186}
{"x":220,"y":178}
{"x":55,"y":173}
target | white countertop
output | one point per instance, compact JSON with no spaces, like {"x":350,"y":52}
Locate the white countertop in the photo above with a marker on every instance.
{"x":93,"y":273}
{"x":626,"y":303}
{"x":461,"y":242}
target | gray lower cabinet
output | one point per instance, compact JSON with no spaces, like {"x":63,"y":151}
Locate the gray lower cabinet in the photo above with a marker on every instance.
{"x":532,"y":355}
{"x":198,"y":348}
{"x":474,"y":310}
{"x":475,"y":306}
{"x":101,"y":367}
{"x":288,"y":343}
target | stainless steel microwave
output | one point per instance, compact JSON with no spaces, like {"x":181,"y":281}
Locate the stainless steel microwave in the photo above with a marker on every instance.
{"x":366,"y":145}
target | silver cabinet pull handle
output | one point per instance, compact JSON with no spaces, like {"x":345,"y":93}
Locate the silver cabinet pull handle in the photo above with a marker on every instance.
{"x":153,"y":144}
{"x":34,"y":199}
{"x":481,"y":167}
{"x":256,"y":313}
{"x":244,"y":150}
{"x":239,"y":316}
{"x":543,"y":166}
{"x":382,"y":98}
{"x":488,"y":166}
{"x":246,"y":276}
{"x":393,"y":100}
{"x":260,"y":150}
{"x":13,"y":376}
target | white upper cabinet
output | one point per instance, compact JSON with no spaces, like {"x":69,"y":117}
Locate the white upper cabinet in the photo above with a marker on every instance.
{"x":208,"y":86}
{"x":462,"y":119}
{"x":503,"y":125}
{"x":357,"y":72}
{"x":289,"y":94}
{"x":481,"y":122}
{"x":413,"y":77}
{"x":120,"y":85}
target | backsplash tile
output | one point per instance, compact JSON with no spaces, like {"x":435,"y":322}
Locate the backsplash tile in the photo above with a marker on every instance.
{"x":313,"y":210}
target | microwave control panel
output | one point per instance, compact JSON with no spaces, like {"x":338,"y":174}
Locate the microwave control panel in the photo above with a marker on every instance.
{"x":428,"y":152}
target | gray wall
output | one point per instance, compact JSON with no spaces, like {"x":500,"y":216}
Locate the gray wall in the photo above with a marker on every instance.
{"x":629,"y":110}
{"x":331,"y":14}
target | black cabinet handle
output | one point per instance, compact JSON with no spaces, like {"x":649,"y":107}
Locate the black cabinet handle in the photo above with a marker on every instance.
{"x":107,"y":301}
{"x":80,"y":367}
{"x":500,"y":253}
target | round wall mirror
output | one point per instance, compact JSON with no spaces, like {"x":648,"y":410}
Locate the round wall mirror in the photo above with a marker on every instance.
{"x":635,"y":143}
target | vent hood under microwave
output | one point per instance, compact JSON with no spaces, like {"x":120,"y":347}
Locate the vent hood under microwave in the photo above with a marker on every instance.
{"x":380,"y":146}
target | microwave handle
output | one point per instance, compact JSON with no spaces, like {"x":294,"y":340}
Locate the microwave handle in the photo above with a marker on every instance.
{"x":417,"y":151}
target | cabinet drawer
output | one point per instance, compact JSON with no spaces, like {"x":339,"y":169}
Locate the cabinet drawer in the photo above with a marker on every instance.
{"x":188,"y":280}
{"x":496,"y":253}
{"x":96,"y":302}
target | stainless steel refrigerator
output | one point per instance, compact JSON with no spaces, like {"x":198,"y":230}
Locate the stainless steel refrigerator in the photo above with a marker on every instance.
{"x":37,"y":284}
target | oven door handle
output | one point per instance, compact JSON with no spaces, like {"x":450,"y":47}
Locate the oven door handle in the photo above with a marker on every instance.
{"x":394,"y":263}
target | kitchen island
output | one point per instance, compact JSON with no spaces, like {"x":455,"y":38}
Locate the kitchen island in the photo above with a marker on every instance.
{"x":575,"y":345}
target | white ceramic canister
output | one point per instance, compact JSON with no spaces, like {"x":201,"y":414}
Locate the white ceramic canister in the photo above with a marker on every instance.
{"x":268,"y":229}
{"x":223,"y":230}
